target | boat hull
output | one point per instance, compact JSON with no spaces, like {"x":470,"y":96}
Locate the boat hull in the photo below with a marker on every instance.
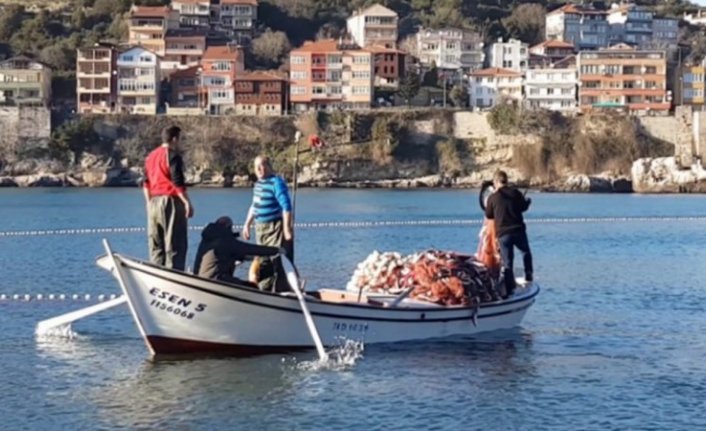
{"x":178,"y":313}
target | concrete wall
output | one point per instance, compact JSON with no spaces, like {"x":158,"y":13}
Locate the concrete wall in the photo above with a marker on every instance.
{"x":23,"y":128}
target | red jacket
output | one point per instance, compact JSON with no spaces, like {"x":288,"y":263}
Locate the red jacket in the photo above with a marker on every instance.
{"x":164,"y":173}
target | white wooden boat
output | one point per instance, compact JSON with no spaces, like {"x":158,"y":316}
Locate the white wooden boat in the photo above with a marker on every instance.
{"x":180,"y":313}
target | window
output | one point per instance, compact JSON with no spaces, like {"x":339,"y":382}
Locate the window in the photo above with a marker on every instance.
{"x":128,"y":58}
{"x":534,"y":91}
{"x":361,"y":59}
{"x":334,"y":59}
{"x":361,"y":90}
{"x":145,"y":59}
{"x":334,"y":90}
{"x":298,"y":74}
{"x":298,"y":59}
{"x":319,"y":90}
{"x":221,"y":66}
{"x":363,"y":74}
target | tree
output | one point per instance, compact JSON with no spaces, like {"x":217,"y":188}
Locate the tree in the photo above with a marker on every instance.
{"x":409,"y":87}
{"x":459,"y":95}
{"x":431,"y":77}
{"x":271,"y":47}
{"x":526,"y":23}
{"x":11,"y":21}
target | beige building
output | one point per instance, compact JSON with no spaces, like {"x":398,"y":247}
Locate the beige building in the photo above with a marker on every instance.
{"x":138,"y":81}
{"x":96,"y":79}
{"x":24,"y":81}
{"x":376,"y":25}
{"x":184,"y":49}
{"x":327,"y":75}
{"x":148,"y":25}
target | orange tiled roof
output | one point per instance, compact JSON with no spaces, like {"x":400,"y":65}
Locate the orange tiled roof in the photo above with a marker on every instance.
{"x":324,"y":45}
{"x":572,"y":8}
{"x":496,"y":71}
{"x":553,"y":43}
{"x":220,"y":53}
{"x":185,"y":73}
{"x":150,"y":11}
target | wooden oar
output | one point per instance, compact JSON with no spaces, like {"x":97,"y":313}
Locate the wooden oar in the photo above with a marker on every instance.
{"x":293,"y":281}
{"x":66,"y":319}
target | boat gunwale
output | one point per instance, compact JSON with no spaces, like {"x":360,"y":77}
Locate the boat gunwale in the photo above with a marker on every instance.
{"x":524,"y":301}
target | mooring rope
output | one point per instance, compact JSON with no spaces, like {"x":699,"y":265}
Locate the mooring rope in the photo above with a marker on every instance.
{"x":365,"y":224}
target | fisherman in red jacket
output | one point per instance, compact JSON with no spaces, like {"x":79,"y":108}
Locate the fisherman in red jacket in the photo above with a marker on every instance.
{"x":168,"y":204}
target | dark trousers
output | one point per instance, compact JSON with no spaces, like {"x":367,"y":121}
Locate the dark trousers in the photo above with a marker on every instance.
{"x":507,"y":243}
{"x":167,"y":232}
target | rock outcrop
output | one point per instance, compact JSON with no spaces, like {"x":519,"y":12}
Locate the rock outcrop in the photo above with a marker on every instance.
{"x":664,"y":175}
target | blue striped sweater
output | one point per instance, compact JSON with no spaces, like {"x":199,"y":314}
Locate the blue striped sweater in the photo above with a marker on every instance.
{"x":270,"y":199}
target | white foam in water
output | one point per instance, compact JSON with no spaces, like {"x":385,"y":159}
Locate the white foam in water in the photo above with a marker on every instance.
{"x":341,"y":357}
{"x":63,"y":331}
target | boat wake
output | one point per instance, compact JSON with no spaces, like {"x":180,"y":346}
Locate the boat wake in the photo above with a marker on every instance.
{"x":340,"y":358}
{"x":63,"y":331}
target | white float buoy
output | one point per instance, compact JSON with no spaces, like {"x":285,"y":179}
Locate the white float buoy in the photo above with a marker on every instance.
{"x":51,"y":297}
{"x":3,"y":297}
{"x":40,"y":297}
{"x":87,"y":297}
{"x":113,"y":296}
{"x":62,"y":297}
{"x":15,"y":297}
{"x":74,"y":297}
{"x":101,"y":297}
{"x":27,"y":297}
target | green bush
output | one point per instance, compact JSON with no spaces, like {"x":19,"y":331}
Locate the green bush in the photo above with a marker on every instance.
{"x":504,"y":118}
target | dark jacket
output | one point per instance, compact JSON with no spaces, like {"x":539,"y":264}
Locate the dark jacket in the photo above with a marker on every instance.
{"x":506,"y":206}
{"x":219,"y":249}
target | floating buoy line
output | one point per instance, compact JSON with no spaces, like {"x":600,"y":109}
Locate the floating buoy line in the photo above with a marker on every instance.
{"x":60,"y":297}
{"x":363,"y":224}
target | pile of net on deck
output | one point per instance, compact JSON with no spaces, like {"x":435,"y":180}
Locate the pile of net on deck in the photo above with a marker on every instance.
{"x":437,"y":276}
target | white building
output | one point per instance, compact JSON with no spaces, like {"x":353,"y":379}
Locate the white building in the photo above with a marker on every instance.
{"x":696,"y":18}
{"x":138,"y":81}
{"x":488,"y":86}
{"x":511,"y":55}
{"x":553,"y":88}
{"x":376,"y":25}
{"x":450,"y":49}
{"x":583,"y":27}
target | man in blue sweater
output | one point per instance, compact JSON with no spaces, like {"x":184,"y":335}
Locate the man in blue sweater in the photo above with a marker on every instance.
{"x":271,"y":210}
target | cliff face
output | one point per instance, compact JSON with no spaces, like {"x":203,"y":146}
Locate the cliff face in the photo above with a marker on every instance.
{"x":396,"y":148}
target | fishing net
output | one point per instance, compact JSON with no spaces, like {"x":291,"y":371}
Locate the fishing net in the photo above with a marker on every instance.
{"x":437,"y":276}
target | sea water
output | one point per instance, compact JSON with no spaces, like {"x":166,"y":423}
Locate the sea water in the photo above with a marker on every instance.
{"x":614,"y":341}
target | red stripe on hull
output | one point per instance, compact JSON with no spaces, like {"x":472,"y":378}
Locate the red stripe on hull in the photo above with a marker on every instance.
{"x":176,"y":347}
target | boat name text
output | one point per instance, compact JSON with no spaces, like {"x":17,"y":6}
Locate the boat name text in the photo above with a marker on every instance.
{"x":350,"y":327}
{"x":175,"y":304}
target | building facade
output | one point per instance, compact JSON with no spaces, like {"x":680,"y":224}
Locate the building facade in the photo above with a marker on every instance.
{"x":184,"y":85}
{"x":487,"y":87}
{"x":148,"y":25}
{"x":553,"y":88}
{"x":138,"y":74}
{"x":585,"y":28}
{"x":553,"y":50}
{"x":624,"y":77}
{"x":376,"y":25}
{"x":450,"y":49}
{"x":388,"y":67}
{"x":260,"y":93}
{"x":220,"y":67}
{"x":237,"y":19}
{"x":193,"y":13}
{"x":184,"y":48}
{"x":691,"y":86}
{"x":696,"y":18}
{"x":325,"y":75}
{"x":24,"y":81}
{"x":510,"y":55}
{"x":96,"y":79}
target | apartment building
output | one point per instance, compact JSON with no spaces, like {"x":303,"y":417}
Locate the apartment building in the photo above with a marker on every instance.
{"x":692,"y":81}
{"x":24,"y":81}
{"x":183,"y":49}
{"x":510,"y":55}
{"x":376,"y":25}
{"x":185,"y":88}
{"x":489,"y":86}
{"x":450,"y":49}
{"x":220,"y":66}
{"x":138,"y":72}
{"x":96,"y":79}
{"x":623,"y":77}
{"x":585,"y":28}
{"x":193,"y":13}
{"x":148,"y":25}
{"x":237,"y":19}
{"x":328,"y":75}
{"x":665,"y":33}
{"x":554,"y":87}
{"x":553,"y":50}
{"x":260,"y":93}
{"x":388,"y":67}
{"x":630,"y":24}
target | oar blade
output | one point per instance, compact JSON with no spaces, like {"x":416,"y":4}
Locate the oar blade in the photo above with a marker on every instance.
{"x":48,"y":325}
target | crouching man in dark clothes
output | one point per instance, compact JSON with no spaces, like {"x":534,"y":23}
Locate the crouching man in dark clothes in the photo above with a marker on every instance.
{"x":505,"y":206}
{"x":219,"y":250}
